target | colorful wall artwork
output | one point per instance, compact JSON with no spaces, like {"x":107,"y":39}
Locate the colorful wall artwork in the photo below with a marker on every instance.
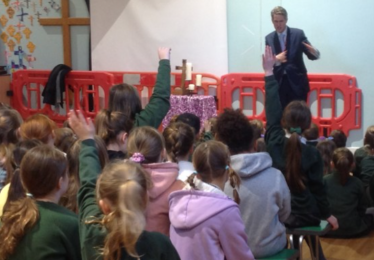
{"x":17,"y":22}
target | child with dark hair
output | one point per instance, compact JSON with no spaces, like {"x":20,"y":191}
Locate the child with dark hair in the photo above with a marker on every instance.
{"x":265,"y":201}
{"x":347,"y":197}
{"x":179,"y":139}
{"x":125,"y":98}
{"x":114,"y":129}
{"x":146,"y":146}
{"x":112,"y":205}
{"x":199,"y":213}
{"x":365,"y":154}
{"x":301,"y":164}
{"x":64,"y":138}
{"x":326,"y":148}
{"x":258,"y":135}
{"x":34,"y":225}
{"x":191,"y":120}
{"x":312,"y":135}
{"x":69,"y":198}
{"x":339,"y":138}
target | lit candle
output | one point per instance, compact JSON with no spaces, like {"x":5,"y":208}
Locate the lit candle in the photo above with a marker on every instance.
{"x":191,"y":87}
{"x":198,"y":80}
{"x":188,"y":71}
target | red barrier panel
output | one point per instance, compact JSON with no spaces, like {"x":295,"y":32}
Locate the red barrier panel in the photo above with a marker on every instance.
{"x":28,"y":85}
{"x":246,"y":91}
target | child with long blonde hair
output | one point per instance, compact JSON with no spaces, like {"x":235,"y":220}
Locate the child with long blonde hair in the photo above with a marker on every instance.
{"x":205,"y":223}
{"x":112,"y":217}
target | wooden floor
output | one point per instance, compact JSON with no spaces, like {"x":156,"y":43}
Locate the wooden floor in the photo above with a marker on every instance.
{"x":345,"y":249}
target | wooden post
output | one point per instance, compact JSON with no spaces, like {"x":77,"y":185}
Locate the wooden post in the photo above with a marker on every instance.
{"x":65,"y":21}
{"x":183,"y":80}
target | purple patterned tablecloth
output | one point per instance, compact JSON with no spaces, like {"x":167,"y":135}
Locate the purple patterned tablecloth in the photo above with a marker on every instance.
{"x":202,"y":106}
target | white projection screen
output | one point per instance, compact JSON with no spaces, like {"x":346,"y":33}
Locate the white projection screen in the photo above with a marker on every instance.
{"x":125,"y":34}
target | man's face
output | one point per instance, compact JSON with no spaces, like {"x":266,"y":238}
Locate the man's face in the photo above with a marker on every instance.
{"x":279,"y":23}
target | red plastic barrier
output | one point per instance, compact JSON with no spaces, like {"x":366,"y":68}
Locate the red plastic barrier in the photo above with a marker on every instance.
{"x":323,"y":86}
{"x":330,"y":87}
{"x":28,"y":85}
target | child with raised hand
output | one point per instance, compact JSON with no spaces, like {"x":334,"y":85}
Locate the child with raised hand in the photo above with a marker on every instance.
{"x":34,"y":225}
{"x":179,"y":140}
{"x":112,"y":227}
{"x":301,"y":164}
{"x":205,"y":223}
{"x":265,"y":200}
{"x":146,"y":146}
{"x":347,"y":197}
{"x":125,"y":98}
{"x":113,"y":128}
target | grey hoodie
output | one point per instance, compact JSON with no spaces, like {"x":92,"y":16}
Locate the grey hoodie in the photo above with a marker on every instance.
{"x":265,"y":202}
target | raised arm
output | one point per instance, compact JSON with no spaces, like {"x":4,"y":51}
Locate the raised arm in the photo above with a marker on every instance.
{"x":91,"y":235}
{"x":273,"y":108}
{"x":159,"y":104}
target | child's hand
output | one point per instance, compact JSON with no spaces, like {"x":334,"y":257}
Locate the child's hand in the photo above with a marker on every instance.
{"x":82,"y":127}
{"x":164,"y":53}
{"x":333,"y":222}
{"x":268,"y":61}
{"x":207,"y":126}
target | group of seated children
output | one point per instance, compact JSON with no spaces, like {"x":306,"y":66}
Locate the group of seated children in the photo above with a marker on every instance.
{"x":116,"y":188}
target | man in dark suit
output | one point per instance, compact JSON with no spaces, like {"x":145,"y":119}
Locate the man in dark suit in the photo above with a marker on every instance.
{"x":289,"y":44}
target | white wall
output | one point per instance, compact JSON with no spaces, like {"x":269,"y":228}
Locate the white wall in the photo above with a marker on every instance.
{"x":125,"y":37}
{"x":340,"y":29}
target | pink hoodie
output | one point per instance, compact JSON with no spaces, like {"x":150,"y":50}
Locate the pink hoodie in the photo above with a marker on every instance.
{"x":207,"y":226}
{"x":163,"y":176}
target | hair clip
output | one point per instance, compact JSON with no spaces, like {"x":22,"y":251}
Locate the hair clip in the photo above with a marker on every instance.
{"x":137,"y":157}
{"x":227,"y":167}
{"x":295,"y":130}
{"x":29,"y":195}
{"x":194,"y":172}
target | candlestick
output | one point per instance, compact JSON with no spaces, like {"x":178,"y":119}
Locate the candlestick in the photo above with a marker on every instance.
{"x":188,"y":70}
{"x":191,"y":87}
{"x":198,"y":80}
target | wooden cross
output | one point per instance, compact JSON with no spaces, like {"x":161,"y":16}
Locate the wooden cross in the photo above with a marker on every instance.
{"x":183,"y":79}
{"x":65,"y":21}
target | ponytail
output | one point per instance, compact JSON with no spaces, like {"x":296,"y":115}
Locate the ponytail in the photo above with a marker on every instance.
{"x":126,"y":223}
{"x":20,"y":216}
{"x":125,"y":186}
{"x":16,"y":190}
{"x":179,"y":138}
{"x":110,"y":124}
{"x":343,"y":162}
{"x":234,"y":180}
{"x":293,"y":174}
